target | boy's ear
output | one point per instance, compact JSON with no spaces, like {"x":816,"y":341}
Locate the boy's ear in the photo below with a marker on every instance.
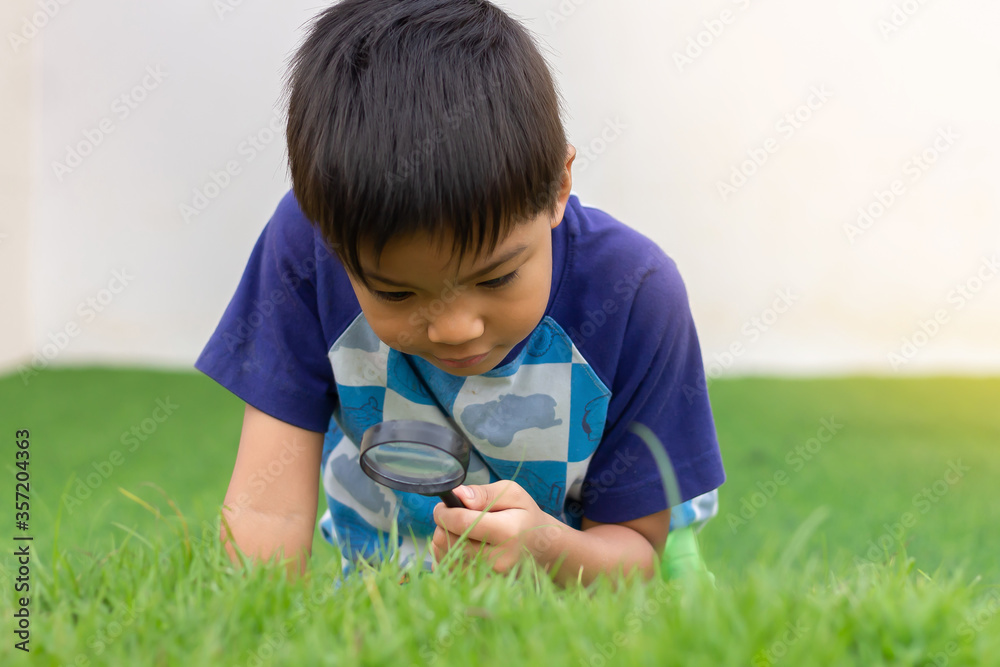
{"x":565,"y":187}
{"x":570,"y":154}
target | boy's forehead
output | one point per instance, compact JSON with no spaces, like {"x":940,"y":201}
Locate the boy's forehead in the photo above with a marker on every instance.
{"x":420,"y":252}
{"x":419,"y":259}
{"x":423,"y":246}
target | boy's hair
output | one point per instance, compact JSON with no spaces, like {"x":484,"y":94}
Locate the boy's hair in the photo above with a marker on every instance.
{"x":408,"y":116}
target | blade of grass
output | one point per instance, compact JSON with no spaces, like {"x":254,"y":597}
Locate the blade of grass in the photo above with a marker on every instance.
{"x":187,"y":535}
{"x":132,"y":533}
{"x":801,"y":535}
{"x":129,"y":494}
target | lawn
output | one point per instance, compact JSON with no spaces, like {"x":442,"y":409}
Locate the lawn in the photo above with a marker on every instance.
{"x":858,"y":526}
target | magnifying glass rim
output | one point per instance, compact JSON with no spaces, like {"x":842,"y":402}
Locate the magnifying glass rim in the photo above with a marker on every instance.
{"x":423,"y":433}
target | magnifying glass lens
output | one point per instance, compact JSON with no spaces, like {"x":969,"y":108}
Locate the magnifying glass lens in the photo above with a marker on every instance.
{"x":416,"y":457}
{"x":414,"y":463}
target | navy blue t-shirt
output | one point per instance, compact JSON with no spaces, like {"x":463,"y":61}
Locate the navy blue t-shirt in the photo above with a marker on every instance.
{"x":616,"y":345}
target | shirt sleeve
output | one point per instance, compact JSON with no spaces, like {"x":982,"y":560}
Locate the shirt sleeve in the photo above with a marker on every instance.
{"x":269,"y":347}
{"x":660,"y":384}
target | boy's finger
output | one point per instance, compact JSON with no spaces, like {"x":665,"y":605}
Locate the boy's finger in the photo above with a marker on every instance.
{"x":443,"y":539}
{"x":459,"y":554}
{"x":466,"y":552}
{"x":502,"y":495}
{"x":457,"y":521}
{"x":454,"y":519}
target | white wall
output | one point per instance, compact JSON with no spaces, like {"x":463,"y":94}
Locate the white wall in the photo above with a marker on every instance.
{"x":16,"y":110}
{"x":674,"y":131}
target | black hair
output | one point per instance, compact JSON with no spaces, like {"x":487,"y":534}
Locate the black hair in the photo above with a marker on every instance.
{"x":421,"y":116}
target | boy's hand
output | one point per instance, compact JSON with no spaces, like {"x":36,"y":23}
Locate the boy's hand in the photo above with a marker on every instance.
{"x":513,"y":526}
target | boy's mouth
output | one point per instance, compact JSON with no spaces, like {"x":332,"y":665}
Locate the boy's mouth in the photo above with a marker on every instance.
{"x":465,"y":361}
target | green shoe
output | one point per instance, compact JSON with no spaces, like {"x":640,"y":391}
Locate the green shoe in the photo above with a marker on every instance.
{"x":681,"y":556}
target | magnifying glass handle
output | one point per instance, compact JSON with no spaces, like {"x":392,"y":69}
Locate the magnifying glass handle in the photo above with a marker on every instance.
{"x":450,"y":499}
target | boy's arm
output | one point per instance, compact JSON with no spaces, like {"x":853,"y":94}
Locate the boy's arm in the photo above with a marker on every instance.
{"x":636,"y":544}
{"x":603,"y":548}
{"x":273,"y":494}
{"x":514,"y":524}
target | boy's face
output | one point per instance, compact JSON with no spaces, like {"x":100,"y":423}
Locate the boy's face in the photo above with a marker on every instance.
{"x":429,"y":304}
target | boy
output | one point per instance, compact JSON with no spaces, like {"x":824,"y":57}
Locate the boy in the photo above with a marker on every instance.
{"x":432,"y":263}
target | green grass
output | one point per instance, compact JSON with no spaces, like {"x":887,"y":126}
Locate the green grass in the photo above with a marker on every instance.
{"x":803,"y":579}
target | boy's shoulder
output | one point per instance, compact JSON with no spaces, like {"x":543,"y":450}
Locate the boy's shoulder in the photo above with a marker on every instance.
{"x":302,"y":261}
{"x":612,"y":259}
{"x":620,"y":296}
{"x":290,"y":227}
{"x":299,"y":247}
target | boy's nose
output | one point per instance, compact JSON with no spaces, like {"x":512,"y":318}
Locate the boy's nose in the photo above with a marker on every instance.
{"x":455,"y":327}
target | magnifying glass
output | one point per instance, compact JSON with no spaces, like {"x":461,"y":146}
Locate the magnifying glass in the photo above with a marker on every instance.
{"x":416,"y":456}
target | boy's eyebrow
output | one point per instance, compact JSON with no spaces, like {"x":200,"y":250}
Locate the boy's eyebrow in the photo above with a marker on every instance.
{"x":502,"y":259}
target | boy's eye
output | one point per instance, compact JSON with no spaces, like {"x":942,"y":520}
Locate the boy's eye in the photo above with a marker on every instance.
{"x":390,"y":297}
{"x":396,"y":297}
{"x":501,"y":281}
